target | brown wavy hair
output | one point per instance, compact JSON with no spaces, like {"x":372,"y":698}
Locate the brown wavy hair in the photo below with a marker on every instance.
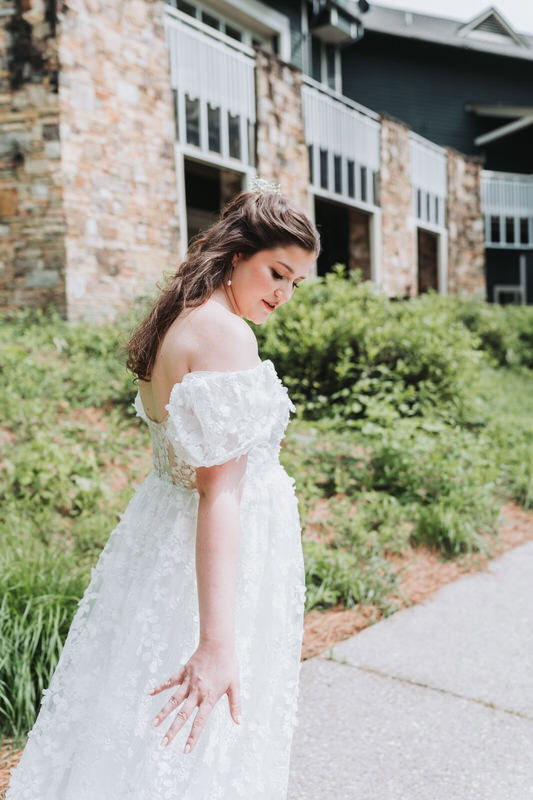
{"x":249,"y":223}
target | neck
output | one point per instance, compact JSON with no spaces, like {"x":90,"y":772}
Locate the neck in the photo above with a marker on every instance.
{"x":227,"y":300}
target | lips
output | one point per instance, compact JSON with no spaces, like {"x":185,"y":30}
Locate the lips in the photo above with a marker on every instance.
{"x":269,"y":306}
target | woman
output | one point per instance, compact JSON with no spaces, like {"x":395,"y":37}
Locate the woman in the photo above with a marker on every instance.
{"x":200,"y":588}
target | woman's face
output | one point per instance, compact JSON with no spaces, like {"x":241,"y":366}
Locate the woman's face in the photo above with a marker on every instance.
{"x":268,"y":277}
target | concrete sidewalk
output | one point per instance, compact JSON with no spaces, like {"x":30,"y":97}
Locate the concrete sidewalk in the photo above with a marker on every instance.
{"x":432,"y":703}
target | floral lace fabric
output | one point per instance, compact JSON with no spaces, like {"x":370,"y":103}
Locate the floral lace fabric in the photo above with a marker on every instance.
{"x":138,"y":621}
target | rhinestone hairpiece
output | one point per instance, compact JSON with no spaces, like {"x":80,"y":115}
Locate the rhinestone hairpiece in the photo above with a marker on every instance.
{"x":260,"y":185}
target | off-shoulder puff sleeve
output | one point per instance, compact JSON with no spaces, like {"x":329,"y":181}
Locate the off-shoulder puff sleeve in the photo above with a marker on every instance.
{"x":216,"y":416}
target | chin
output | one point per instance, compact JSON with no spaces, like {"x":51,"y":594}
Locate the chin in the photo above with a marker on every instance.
{"x":258,"y":321}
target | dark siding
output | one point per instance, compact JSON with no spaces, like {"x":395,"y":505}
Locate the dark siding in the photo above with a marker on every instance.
{"x":427,"y":86}
{"x":292,"y":10}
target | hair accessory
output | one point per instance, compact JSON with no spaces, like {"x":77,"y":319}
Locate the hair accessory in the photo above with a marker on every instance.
{"x":260,"y":185}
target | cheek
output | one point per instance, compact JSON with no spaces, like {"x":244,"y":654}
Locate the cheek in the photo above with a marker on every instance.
{"x":264,"y":282}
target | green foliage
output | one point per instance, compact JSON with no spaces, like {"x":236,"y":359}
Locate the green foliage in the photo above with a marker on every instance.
{"x":345,"y":350}
{"x":351,"y":576}
{"x":40,"y":592}
{"x":505,"y":332}
{"x":415,"y":421}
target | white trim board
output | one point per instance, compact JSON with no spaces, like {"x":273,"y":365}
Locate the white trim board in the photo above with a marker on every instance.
{"x":504,"y":130}
{"x":260,"y":16}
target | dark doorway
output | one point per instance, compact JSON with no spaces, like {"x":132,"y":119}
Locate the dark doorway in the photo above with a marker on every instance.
{"x":207,"y":190}
{"x":502,"y":269}
{"x":428,"y":260}
{"x":333,"y":225}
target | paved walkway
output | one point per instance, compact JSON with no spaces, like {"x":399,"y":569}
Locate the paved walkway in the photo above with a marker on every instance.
{"x":432,"y":703}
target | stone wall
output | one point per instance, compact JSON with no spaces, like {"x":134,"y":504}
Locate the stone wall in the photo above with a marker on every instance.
{"x":359,"y":242}
{"x":397,"y":229}
{"x":117,"y":147}
{"x":32,"y":224}
{"x":466,"y":238}
{"x":281,"y":149}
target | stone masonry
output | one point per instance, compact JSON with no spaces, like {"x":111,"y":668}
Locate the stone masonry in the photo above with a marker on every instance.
{"x":32,"y":222}
{"x":87,"y":176}
{"x":398,"y":234}
{"x":466,"y":238}
{"x":117,"y":132}
{"x":281,"y":148}
{"x":88,"y":195}
{"x":359,"y":242}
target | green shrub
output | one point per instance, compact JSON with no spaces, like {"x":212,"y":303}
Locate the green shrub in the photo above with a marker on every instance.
{"x":505,"y":333}
{"x":345,"y":351}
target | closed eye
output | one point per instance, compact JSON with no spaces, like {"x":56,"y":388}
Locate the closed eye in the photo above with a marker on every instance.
{"x":278,"y":277}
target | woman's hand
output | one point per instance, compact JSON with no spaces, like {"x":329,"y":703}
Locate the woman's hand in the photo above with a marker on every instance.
{"x":211,"y":671}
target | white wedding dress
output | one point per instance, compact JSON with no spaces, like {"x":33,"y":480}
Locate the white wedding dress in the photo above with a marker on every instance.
{"x":138,"y":620}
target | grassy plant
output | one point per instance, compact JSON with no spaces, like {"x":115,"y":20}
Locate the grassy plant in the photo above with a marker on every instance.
{"x":414,"y":423}
{"x":40,"y":592}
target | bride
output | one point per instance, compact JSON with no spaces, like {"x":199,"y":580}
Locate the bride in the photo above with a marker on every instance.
{"x":199,"y":591}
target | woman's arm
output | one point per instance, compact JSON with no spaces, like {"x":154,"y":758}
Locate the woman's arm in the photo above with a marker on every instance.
{"x":217,"y":549}
{"x":213,"y":670}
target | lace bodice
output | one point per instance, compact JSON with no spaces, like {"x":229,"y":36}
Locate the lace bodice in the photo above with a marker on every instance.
{"x":216,"y":416}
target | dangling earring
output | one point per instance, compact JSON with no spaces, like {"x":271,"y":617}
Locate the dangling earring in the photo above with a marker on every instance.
{"x":229,"y":282}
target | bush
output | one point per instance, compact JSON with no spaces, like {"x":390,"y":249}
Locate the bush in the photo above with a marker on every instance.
{"x":346,"y":351}
{"x":505,"y":333}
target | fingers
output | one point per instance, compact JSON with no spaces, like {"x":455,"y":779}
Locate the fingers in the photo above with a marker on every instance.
{"x":180,"y":719}
{"x":173,"y":703}
{"x":172,"y":681}
{"x":204,"y":710}
{"x":234,"y":699}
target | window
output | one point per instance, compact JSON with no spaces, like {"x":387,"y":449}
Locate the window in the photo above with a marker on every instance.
{"x":187,"y":8}
{"x":331,"y":71}
{"x":251,"y":143}
{"x":509,"y":230}
{"x":337,"y":165}
{"x":234,"y":135}
{"x":310,"y":154}
{"x":192,"y":114}
{"x":234,"y":33}
{"x":323,"y":169}
{"x":215,"y":20}
{"x":524,"y":230}
{"x":363,"y":184}
{"x":322,"y":62}
{"x":213,"y":128}
{"x":351,"y":178}
{"x":316,"y":59}
{"x":175,"y":103}
{"x":495,"y":230}
{"x":209,"y":19}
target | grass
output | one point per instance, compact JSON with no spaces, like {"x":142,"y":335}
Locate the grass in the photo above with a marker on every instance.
{"x":71,"y":451}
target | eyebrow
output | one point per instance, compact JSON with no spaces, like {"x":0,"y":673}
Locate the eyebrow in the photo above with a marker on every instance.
{"x":302,"y":277}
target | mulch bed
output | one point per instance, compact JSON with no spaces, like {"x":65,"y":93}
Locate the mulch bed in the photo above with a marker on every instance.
{"x":422,"y":571}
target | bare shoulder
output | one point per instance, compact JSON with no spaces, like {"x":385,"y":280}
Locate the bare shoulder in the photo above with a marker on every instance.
{"x":212,"y":338}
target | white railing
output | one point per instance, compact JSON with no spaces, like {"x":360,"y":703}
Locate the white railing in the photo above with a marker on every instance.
{"x":507,"y":206}
{"x":429,"y":180}
{"x":343,"y":141}
{"x":212,"y":77}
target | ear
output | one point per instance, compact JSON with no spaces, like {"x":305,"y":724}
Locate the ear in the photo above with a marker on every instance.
{"x":235,"y":258}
